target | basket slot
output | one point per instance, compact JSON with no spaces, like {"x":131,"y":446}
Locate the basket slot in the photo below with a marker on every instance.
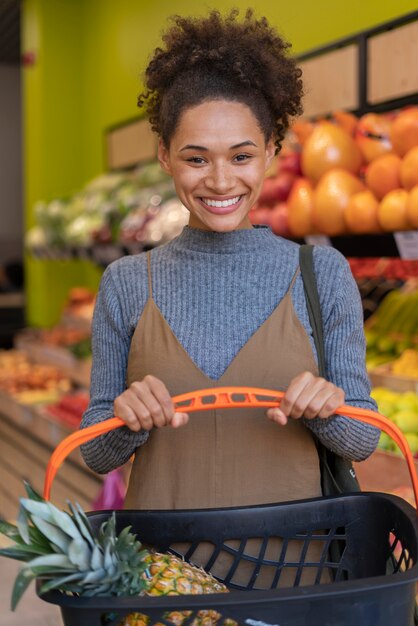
{"x":257,"y":568}
{"x":302,"y":563}
{"x":400,"y":557}
{"x":270,"y":562}
{"x":324,"y":563}
{"x":337,"y":550}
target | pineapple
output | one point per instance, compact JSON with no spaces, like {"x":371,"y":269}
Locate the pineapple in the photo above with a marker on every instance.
{"x":62,"y":550}
{"x":203,"y":618}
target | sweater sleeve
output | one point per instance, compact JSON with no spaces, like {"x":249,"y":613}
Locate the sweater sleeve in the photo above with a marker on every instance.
{"x":110,"y":345}
{"x":345,"y":348}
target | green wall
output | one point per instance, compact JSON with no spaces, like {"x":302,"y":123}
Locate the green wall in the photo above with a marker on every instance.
{"x":89,"y":59}
{"x":53,"y":124}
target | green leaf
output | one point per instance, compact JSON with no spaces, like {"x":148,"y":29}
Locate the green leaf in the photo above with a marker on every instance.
{"x":79,"y":554}
{"x":96,"y":558}
{"x":54,"y":534}
{"x":22,"y":582}
{"x":40,"y":509}
{"x":109,"y":561}
{"x":37,"y":539}
{"x":58,"y":583}
{"x":94,"y":577}
{"x":83,"y":523}
{"x":11,"y":531}
{"x":51,"y":560}
{"x":23,"y":525}
{"x":64,"y":521}
{"x":50,"y":571}
{"x":22,"y":553}
{"x":32,"y":494}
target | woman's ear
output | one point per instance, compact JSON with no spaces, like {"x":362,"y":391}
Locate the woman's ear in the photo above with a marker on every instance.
{"x":164,"y":157}
{"x":270,"y":152}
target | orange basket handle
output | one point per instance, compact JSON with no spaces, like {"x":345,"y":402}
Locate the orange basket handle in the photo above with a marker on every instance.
{"x":221,"y":398}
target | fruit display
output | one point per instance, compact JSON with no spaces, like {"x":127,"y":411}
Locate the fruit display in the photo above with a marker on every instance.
{"x":384,"y":267}
{"x":114,"y":208}
{"x":30,"y":383}
{"x":400,"y":374}
{"x":63,"y":552}
{"x":406,"y":364}
{"x":344,"y":175}
{"x":69,"y":409}
{"x":80,"y":305}
{"x":76,"y":341}
{"x":329,"y":146}
{"x":393,"y":328}
{"x":402,"y":409}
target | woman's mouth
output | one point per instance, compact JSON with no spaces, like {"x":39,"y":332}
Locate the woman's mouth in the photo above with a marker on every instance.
{"x":221,"y":207}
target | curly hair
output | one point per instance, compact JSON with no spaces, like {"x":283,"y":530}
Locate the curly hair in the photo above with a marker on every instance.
{"x":221,"y":58}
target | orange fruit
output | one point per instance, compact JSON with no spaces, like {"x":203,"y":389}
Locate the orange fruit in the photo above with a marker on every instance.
{"x":409,"y":169}
{"x":392,"y":211}
{"x":372,"y":135}
{"x":383,"y":174}
{"x":327,"y":147}
{"x":360,"y":214}
{"x":331,"y":197}
{"x":404,"y":131}
{"x":412,"y":207}
{"x":346,"y":120}
{"x":300,"y":203}
{"x":302,"y":129}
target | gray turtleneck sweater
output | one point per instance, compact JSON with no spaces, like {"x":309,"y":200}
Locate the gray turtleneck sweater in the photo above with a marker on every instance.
{"x":215,"y":290}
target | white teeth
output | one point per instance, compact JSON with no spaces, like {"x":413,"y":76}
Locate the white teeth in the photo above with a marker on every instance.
{"x":221,"y":203}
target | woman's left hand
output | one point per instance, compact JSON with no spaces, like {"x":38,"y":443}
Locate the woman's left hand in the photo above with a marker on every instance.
{"x":308,"y":396}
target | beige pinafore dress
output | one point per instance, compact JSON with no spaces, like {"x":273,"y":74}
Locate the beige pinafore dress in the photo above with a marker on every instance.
{"x":230,"y":457}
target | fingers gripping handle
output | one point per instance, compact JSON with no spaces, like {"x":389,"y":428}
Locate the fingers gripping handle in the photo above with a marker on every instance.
{"x":221,"y":398}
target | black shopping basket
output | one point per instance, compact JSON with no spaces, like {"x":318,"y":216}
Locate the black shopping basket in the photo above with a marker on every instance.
{"x":369,"y":580}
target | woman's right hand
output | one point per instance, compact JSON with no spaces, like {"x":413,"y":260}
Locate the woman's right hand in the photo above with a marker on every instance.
{"x":147,"y":404}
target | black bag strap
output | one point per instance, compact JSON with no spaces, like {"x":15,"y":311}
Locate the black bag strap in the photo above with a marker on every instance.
{"x":312,"y":303}
{"x":337,"y":474}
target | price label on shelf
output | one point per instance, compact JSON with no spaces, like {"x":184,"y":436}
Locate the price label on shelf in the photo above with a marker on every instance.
{"x":318,"y":240}
{"x":407,"y":243}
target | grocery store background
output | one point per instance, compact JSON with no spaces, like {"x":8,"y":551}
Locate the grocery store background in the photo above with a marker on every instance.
{"x":77,"y":72}
{"x":69,"y":71}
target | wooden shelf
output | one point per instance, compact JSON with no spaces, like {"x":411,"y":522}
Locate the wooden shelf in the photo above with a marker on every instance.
{"x":27,"y":439}
{"x":77,"y":370}
{"x":404,"y":245}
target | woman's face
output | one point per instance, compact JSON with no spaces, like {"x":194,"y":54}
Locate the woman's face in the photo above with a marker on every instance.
{"x":218,"y":157}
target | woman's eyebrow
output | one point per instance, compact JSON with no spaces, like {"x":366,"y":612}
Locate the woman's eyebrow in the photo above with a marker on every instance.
{"x":242,"y":144}
{"x":190,"y":146}
{"x":193,"y":147}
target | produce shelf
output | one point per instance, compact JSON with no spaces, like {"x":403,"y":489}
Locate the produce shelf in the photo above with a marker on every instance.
{"x":376,"y":245}
{"x":28,"y":436}
{"x":381,"y":376}
{"x":77,"y":370}
{"x":385,"y":472}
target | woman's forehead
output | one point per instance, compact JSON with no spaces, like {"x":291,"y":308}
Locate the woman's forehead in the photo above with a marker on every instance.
{"x":228,"y":122}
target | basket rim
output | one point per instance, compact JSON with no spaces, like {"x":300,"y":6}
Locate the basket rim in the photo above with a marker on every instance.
{"x":247,"y":597}
{"x":398,"y":501}
{"x":233,"y":598}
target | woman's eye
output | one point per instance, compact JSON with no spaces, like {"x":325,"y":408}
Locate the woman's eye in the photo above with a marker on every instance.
{"x":242,"y":157}
{"x":196,"y":160}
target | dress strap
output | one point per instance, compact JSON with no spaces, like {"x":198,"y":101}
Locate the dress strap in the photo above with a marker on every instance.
{"x":149,"y":274}
{"x":292,"y":282}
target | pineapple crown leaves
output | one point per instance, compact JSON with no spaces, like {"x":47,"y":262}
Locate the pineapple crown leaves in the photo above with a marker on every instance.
{"x":62,"y":549}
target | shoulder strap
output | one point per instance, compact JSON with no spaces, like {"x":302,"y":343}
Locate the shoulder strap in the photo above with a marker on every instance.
{"x":312,"y":303}
{"x":337,"y":474}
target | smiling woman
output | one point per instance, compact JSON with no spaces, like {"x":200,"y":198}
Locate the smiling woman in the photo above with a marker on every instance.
{"x":218,"y":182}
{"x":223,"y":303}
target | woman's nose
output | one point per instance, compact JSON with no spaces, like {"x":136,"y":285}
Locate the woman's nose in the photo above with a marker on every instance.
{"x":220,"y":179}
